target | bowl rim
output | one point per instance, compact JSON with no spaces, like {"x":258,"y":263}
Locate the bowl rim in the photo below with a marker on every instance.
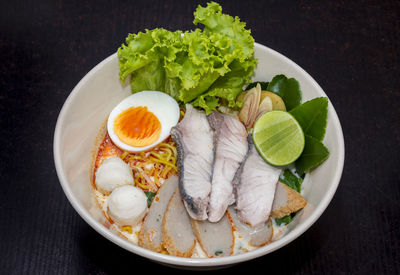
{"x":196,"y":262}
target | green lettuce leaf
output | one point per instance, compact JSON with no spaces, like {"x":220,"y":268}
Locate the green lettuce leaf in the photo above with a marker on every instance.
{"x":205,"y":67}
{"x":216,"y":22}
{"x":149,"y":77}
{"x":142,"y":49}
{"x":226,"y":88}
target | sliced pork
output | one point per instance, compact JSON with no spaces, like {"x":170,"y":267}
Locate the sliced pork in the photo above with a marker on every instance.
{"x":194,"y":139}
{"x":255,"y":183}
{"x":230,"y":140}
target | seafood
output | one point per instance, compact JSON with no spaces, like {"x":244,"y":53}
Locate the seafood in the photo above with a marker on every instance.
{"x":150,"y":233}
{"x":194,"y":139}
{"x":231,"y":146}
{"x":286,"y":201}
{"x":255,"y":183}
{"x":177,"y":233}
{"x":215,"y":238}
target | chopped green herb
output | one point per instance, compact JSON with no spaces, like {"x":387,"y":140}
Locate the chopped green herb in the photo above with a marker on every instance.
{"x":150,"y":196}
{"x":218,"y":252}
{"x":291,"y":180}
{"x":285,"y":220}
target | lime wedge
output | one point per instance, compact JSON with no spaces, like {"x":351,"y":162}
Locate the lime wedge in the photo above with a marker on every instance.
{"x":278,"y":138}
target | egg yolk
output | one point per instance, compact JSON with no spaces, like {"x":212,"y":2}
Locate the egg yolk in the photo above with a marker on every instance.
{"x":137,"y":127}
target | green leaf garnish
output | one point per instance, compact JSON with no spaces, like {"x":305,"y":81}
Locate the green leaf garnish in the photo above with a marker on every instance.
{"x":225,"y":89}
{"x":291,"y":180}
{"x":285,"y":220}
{"x":207,"y":66}
{"x":264,"y":85}
{"x":312,"y":116}
{"x":150,"y":196}
{"x":287,"y":88}
{"x":314,"y":154}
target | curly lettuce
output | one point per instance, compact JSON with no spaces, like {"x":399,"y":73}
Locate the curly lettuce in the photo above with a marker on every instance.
{"x":205,"y":67}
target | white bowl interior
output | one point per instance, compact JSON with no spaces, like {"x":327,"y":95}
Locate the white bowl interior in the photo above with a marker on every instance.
{"x":88,"y":106}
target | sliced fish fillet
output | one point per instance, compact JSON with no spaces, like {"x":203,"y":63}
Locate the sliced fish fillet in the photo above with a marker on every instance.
{"x":194,"y":139}
{"x":231,"y":146}
{"x":255,"y":184}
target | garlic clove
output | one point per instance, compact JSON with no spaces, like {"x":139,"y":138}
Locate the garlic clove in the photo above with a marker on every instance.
{"x":249,"y":110}
{"x":264,"y":107}
{"x":277,"y":101}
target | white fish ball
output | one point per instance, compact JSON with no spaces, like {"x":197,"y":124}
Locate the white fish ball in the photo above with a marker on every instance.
{"x":127,"y":205}
{"x":112,"y":173}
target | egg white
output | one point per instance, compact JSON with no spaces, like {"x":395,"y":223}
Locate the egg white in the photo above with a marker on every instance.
{"x":163,"y":106}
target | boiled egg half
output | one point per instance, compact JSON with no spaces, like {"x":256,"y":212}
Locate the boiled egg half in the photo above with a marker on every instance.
{"x":142,"y":120}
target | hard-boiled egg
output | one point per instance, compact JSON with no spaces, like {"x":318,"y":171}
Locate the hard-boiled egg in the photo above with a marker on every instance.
{"x":142,"y":120}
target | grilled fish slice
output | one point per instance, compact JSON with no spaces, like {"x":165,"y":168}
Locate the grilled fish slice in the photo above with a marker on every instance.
{"x":286,"y":201}
{"x":231,"y":146}
{"x":194,"y":139}
{"x":255,"y":183}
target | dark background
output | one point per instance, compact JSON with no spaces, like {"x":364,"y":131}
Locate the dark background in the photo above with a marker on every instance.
{"x":351,"y":48}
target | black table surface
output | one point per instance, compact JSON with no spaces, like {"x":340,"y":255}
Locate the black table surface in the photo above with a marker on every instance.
{"x":352,"y":50}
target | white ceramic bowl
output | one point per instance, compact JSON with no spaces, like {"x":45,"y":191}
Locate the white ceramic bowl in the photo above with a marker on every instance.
{"x":85,"y":112}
